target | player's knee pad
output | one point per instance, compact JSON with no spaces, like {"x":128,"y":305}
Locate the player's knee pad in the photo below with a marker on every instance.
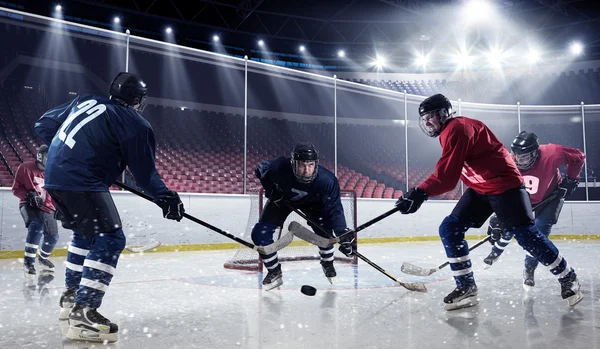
{"x":50,"y":239}
{"x":453,"y":227}
{"x":262,"y":233}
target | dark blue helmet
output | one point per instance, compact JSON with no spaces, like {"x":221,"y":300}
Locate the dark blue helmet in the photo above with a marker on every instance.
{"x":129,"y":90}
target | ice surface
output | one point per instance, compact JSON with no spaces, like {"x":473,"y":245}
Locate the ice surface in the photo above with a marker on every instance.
{"x":188,"y":300}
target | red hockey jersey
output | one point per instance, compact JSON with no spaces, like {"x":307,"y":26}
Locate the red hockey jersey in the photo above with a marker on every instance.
{"x":542,"y":178}
{"x":30,"y":178}
{"x":471,"y":152}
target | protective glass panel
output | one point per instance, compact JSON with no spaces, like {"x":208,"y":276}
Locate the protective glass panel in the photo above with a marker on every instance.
{"x":371,"y":140}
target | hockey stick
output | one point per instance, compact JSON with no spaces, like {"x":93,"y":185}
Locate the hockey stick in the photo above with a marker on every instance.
{"x":412,"y":269}
{"x":274,"y":247}
{"x":417,"y":286}
{"x":324,"y":242}
{"x":143,"y":248}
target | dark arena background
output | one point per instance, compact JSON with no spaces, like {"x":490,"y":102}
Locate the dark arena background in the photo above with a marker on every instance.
{"x":232,"y":83}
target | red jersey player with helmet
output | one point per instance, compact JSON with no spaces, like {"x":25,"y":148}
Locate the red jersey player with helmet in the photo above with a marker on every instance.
{"x":471,"y":152}
{"x":539,"y":166}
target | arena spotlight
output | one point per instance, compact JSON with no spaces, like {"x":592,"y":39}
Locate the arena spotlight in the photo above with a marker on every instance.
{"x":58,"y":8}
{"x":494,"y":57}
{"x":216,"y":38}
{"x":168,"y":30}
{"x":261,"y":43}
{"x":117,"y":20}
{"x":422,"y":60}
{"x":380,"y":61}
{"x":463,"y":59}
{"x":533,"y":56}
{"x":302,"y":48}
{"x":341,"y":53}
{"x":477,"y":10}
{"x":576,"y":48}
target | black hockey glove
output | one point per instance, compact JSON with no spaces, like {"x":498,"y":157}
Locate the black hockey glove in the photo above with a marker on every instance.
{"x":411,"y":201}
{"x":34,"y":200}
{"x":568,"y":186}
{"x":172,"y":206}
{"x":347,"y":243}
{"x":494,"y":229}
{"x":276,"y":195}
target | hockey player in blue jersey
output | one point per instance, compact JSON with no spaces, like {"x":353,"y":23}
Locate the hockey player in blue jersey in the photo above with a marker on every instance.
{"x":91,"y":140}
{"x":305,"y":185}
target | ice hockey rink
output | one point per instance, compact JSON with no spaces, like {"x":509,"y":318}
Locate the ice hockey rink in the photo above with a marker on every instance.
{"x":188,"y":300}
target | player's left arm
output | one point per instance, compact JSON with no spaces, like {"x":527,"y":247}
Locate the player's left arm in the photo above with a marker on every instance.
{"x":573,"y":158}
{"x":49,"y":123}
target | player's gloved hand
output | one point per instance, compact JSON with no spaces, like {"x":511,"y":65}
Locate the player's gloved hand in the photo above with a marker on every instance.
{"x":172,"y":206}
{"x":568,"y":186}
{"x":411,"y":201}
{"x":494,"y":229}
{"x":276,"y":195}
{"x":34,"y":200}
{"x":347,"y":243}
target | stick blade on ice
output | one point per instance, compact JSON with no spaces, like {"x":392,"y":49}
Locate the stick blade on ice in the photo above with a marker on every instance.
{"x":143,"y":248}
{"x":412,"y":269}
{"x":413,"y":286}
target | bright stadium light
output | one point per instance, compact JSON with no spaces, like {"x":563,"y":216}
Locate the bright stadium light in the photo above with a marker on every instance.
{"x":576,"y":48}
{"x":477,"y":10}
{"x":463,"y":59}
{"x":216,"y":38}
{"x":302,"y":48}
{"x":533,"y":56}
{"x":422,"y":60}
{"x":341,"y":53}
{"x":261,"y":43}
{"x":117,"y":20}
{"x":168,"y":30}
{"x":380,"y":61}
{"x":494,"y":57}
{"x":58,"y":8}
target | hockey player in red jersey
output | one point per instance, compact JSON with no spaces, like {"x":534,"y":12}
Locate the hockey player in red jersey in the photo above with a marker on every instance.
{"x":37,"y":210}
{"x":539,"y":166}
{"x":471,"y":152}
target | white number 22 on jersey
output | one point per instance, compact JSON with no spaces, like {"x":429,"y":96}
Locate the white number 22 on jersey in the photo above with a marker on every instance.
{"x":90,"y":108}
{"x":532,"y":184}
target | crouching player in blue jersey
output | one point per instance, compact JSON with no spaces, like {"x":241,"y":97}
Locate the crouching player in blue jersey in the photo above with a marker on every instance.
{"x":305,"y":185}
{"x":91,"y":141}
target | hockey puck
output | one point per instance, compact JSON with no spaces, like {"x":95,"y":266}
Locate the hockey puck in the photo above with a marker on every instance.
{"x":308,"y":290}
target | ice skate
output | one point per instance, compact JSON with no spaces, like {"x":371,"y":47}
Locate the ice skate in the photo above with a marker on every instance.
{"x":86,"y":324}
{"x":29,"y":270}
{"x":273,"y":279}
{"x":67,"y":301}
{"x":570,"y":289}
{"x":490,"y":259}
{"x":329,"y":270}
{"x":528,"y":279}
{"x":46,"y":265}
{"x":463,"y":297}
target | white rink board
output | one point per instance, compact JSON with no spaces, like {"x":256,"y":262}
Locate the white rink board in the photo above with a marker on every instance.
{"x":142,"y":220}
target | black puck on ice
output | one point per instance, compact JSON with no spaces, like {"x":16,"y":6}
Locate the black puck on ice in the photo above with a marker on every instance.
{"x":308,"y":290}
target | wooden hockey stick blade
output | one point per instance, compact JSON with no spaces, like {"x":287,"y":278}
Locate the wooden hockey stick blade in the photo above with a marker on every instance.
{"x":412,"y":269}
{"x":143,"y":248}
{"x":303,"y":233}
{"x":277,"y":245}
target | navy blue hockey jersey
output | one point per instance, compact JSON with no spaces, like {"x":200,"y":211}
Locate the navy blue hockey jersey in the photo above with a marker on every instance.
{"x":321,"y":197}
{"x":91,"y":140}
